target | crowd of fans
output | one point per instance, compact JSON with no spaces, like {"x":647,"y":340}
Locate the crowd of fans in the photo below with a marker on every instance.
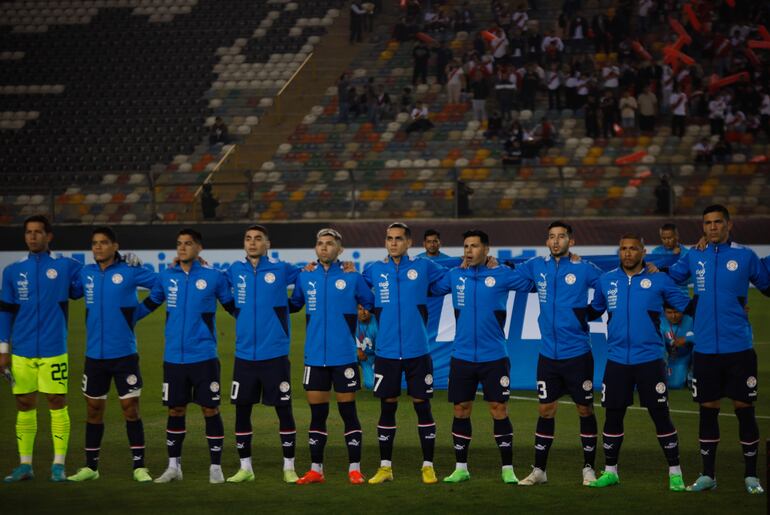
{"x":594,"y":67}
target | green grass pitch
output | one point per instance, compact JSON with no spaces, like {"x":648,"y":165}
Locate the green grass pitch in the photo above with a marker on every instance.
{"x":642,"y":466}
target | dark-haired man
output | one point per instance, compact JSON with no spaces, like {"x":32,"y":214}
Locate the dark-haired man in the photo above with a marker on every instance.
{"x":261,"y":372}
{"x":565,"y":363}
{"x":724,"y":360}
{"x":33,"y":319}
{"x":479,"y":355}
{"x":669,"y":241}
{"x":401,"y":285}
{"x":109,"y":287}
{"x":634,"y":299}
{"x":190,"y":363}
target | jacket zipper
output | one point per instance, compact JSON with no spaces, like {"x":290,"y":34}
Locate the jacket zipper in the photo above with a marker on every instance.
{"x":37,"y":304}
{"x":628,"y":322}
{"x":101,"y":314}
{"x":326,"y":311}
{"x":475,"y":326}
{"x":714,"y":292}
{"x":553,"y":310}
{"x":256,"y":282}
{"x":184,"y":315}
{"x":398,"y":300}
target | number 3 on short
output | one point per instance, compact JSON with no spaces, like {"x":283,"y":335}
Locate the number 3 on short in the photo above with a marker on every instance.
{"x":377,"y":381}
{"x":542,"y":393}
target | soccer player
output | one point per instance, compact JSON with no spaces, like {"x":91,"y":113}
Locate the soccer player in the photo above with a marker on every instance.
{"x":190,"y":363}
{"x":366,"y":340}
{"x":479,"y":296}
{"x":565,"y":364}
{"x":634,"y":300}
{"x":401,"y":285}
{"x":109,"y":287}
{"x":261,"y":372}
{"x":331,"y":298}
{"x":724,"y":361}
{"x":33,"y":318}
{"x":680,"y":338}
{"x":669,"y":241}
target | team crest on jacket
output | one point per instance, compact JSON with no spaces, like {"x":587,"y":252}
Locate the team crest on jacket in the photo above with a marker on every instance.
{"x":732,"y":265}
{"x":284,"y":386}
{"x":412,"y":274}
{"x":340,"y":285}
{"x":505,"y":381}
{"x":200,"y":284}
{"x":570,"y":279}
{"x":588,"y":385}
{"x":131,"y":380}
{"x":660,"y":388}
{"x":489,"y":282}
{"x":270,"y":278}
{"x":117,"y":279}
{"x":350,"y":373}
{"x":429,"y":379}
{"x":646,"y":283}
{"x":751,"y":382}
{"x":51,"y":273}
{"x":214,"y":387}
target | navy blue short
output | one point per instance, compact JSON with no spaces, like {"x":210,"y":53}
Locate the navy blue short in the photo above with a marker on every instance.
{"x":345,"y":378}
{"x":124,"y":371}
{"x":732,"y":375}
{"x":648,"y":378}
{"x":418,"y":372}
{"x":465,"y":376}
{"x":573,"y":376}
{"x":191,"y":382}
{"x":267,"y":381}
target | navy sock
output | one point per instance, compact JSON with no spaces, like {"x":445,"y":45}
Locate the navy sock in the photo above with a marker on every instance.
{"x":613,"y":435}
{"x":175,"y":433}
{"x":135,"y":431}
{"x":426,"y":428}
{"x":287,"y":430}
{"x":462,"y":432}
{"x":94,"y":433}
{"x":503,"y":430}
{"x":317,"y":434}
{"x":386,"y":429}
{"x":588,"y":439}
{"x":353,"y":433}
{"x":748,"y":431}
{"x":667,"y":436}
{"x":543,"y":440}
{"x":215,"y":435}
{"x":243,"y":430}
{"x":708,"y":436}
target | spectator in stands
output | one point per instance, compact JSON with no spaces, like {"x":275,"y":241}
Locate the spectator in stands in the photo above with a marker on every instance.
{"x":406,"y":102}
{"x":584,"y":87}
{"x":628,"y":107}
{"x":480,"y":92}
{"x":600,"y":26}
{"x":413,"y":10}
{"x":357,"y":102}
{"x":529,"y":84}
{"x":678,"y":104}
{"x":384,"y":105}
{"x":648,"y":109}
{"x":701,"y":151}
{"x":530,"y":150}
{"x":570,"y":89}
{"x":764,"y":111}
{"x":517,"y":48}
{"x":444,"y":56}
{"x":505,"y":90}
{"x":553,"y":84}
{"x":520,"y":18}
{"x":494,"y":126}
{"x":343,"y":98}
{"x":552,"y":47}
{"x":357,"y":13}
{"x":420,"y":121}
{"x":218,"y":133}
{"x":722,"y":151}
{"x":643,"y":12}
{"x":717,"y":108}
{"x":370,"y":98}
{"x":420,"y":56}
{"x":611,"y":76}
{"x":735,"y":120}
{"x":404,"y":31}
{"x":592,"y":116}
{"x":609,"y":107}
{"x":367,"y":20}
{"x":209,"y":203}
{"x":498,"y":47}
{"x":512,"y":155}
{"x":454,"y":85}
{"x":664,"y":200}
{"x":545,"y":133}
{"x":463,"y":199}
{"x":578,"y":29}
{"x":467,"y":20}
{"x":667,"y":87}
{"x":516,"y":131}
